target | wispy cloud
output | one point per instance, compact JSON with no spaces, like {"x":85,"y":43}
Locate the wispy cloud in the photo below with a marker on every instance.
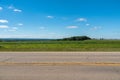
{"x":3,"y":21}
{"x":13,"y":29}
{"x":14,"y":9}
{"x":3,"y":26}
{"x":20,"y":24}
{"x":42,"y":28}
{"x":52,"y":33}
{"x":87,"y":24}
{"x":96,"y":28}
{"x":1,"y":8}
{"x":17,"y":10}
{"x":72,"y":27}
{"x":82,"y":19}
{"x":10,"y":7}
{"x":16,"y":36}
{"x":50,"y":17}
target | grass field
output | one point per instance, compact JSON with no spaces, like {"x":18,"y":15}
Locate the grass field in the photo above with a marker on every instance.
{"x":88,"y":45}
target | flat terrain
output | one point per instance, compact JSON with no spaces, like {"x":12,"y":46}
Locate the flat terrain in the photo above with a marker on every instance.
{"x":59,"y":65}
{"x":88,"y":45}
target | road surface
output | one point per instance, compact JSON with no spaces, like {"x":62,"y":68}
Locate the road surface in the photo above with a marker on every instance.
{"x":59,"y":65}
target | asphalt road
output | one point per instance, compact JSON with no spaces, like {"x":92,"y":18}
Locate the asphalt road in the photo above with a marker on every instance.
{"x":60,"y":66}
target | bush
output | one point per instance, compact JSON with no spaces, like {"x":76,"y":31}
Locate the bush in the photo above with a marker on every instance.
{"x":1,"y":46}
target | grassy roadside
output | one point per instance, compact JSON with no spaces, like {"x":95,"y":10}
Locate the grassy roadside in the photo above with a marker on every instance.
{"x":88,"y":45}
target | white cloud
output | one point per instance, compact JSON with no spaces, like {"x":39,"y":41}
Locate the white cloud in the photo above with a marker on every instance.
{"x":87,"y":24}
{"x":4,"y":26}
{"x":72,"y":27}
{"x":1,"y":8}
{"x":14,"y":9}
{"x":17,"y":10}
{"x":3,"y":21}
{"x":50,"y":17}
{"x":96,"y":28}
{"x":20,"y":24}
{"x":82,"y":19}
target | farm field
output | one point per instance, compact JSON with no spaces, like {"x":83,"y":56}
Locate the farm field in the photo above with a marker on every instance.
{"x":88,"y":45}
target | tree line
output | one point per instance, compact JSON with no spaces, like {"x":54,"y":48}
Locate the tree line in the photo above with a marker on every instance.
{"x":76,"y":38}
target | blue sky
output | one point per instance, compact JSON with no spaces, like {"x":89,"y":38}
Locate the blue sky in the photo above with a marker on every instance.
{"x":59,"y":18}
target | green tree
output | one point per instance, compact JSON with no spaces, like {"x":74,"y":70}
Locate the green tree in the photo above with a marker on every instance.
{"x":77,"y":38}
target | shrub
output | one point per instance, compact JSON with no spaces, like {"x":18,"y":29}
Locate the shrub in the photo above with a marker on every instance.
{"x":1,"y":46}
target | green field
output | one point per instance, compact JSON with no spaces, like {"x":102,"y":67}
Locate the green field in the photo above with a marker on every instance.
{"x":88,"y":45}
